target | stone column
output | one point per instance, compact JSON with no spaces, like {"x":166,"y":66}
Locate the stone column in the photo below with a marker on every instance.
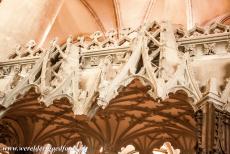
{"x":24,"y":20}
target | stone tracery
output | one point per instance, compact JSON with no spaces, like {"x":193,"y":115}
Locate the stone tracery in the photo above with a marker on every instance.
{"x":146,"y":74}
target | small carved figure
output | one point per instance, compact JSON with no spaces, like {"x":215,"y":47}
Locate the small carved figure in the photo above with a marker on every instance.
{"x":68,"y":64}
{"x":209,"y":48}
{"x":190,"y":49}
{"x":17,"y":76}
{"x":30,"y":47}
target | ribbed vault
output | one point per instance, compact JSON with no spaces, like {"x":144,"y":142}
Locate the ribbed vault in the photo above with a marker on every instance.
{"x":86,"y":16}
{"x":133,"y":117}
{"x":42,"y":20}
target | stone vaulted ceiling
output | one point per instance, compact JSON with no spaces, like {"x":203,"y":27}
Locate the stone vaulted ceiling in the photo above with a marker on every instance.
{"x":43,"y":20}
{"x":143,"y":88}
{"x":131,"y":118}
{"x":86,"y":16}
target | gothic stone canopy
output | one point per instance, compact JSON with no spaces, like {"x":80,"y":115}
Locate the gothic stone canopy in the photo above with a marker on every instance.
{"x":143,"y":87}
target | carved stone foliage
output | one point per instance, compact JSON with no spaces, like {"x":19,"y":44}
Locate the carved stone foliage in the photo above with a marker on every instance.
{"x":92,"y":73}
{"x":110,"y":40}
{"x":4,"y":71}
{"x":212,"y":39}
{"x":204,"y":48}
{"x":197,"y":31}
{"x":209,"y":48}
{"x":89,"y":61}
{"x":216,"y":28}
{"x":199,"y":124}
{"x":212,"y":129}
{"x":221,"y":132}
{"x":11,"y":75}
{"x":149,"y":53}
{"x":191,"y":49}
{"x":29,"y":50}
{"x":62,"y":67}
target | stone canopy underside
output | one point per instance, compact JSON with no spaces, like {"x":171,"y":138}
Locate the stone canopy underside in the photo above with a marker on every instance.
{"x":141,"y":88}
{"x":133,"y":117}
